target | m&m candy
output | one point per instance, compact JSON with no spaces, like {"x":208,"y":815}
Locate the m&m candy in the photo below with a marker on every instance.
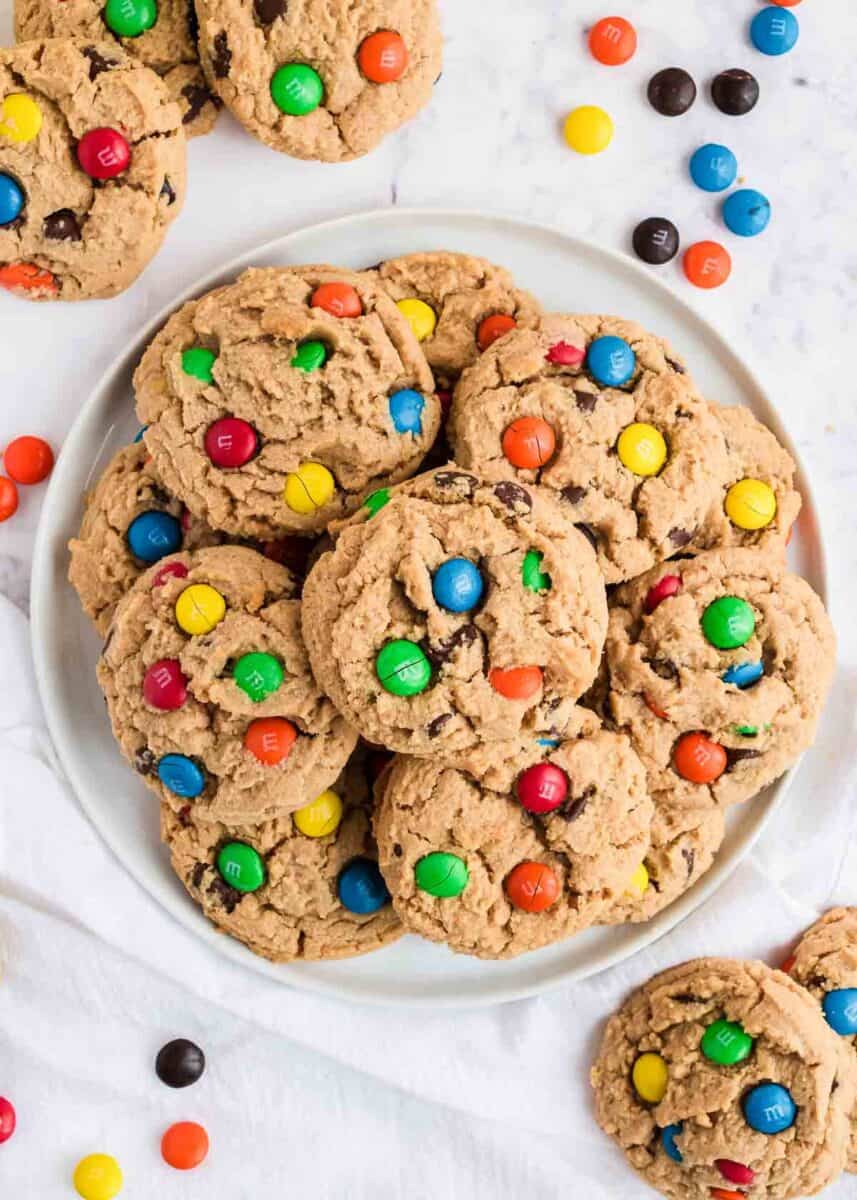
{"x":564,"y":354}
{"x":713,"y":167}
{"x":769,"y":1108}
{"x":296,"y":89}
{"x":611,"y":361}
{"x":230,"y":442}
{"x":441,"y":874}
{"x":97,"y":1177}
{"x":309,"y":488}
{"x":322,"y":817}
{"x":542,"y":788}
{"x":27,"y":277}
{"x":650,"y":1076}
{"x":8,"y":498}
{"x":642,"y":449}
{"x":241,"y":866}
{"x":532,"y":887}
{"x":339,"y":299}
{"x":20,"y":118}
{"x":165,"y":685}
{"x":744,"y":675}
{"x":154,"y":534}
{"x":533,"y":577}
{"x":11,"y":199}
{"x":516,"y":683}
{"x":361,"y":887}
{"x":270,"y":739}
{"x":403,"y":668}
{"x":310,"y":356}
{"x":707,"y":264}
{"x":667,"y":586}
{"x":735,"y":1172}
{"x":180,"y":1063}
{"x":671,"y":92}
{"x":735,"y":92}
{"x":197,"y":361}
{"x":28,"y":460}
{"x":457,"y":585}
{"x":840,"y":1011}
{"x":199,"y":609}
{"x":612,"y":41}
{"x":383,"y":56}
{"x":639,"y":881}
{"x":171,"y":570}
{"x":750,"y":504}
{"x":668,"y":1136}
{"x":406,"y":407}
{"x":375,"y":501}
{"x":773,"y":31}
{"x":726,"y":1043}
{"x":130,"y":18}
{"x":698,"y":759}
{"x":492,"y":328}
{"x":728,"y":622}
{"x":746,"y":212}
{"x":420,"y":316}
{"x":184,"y":1145}
{"x":258,"y":675}
{"x":8,"y":1119}
{"x":656,"y":241}
{"x":181,"y":775}
{"x":103,"y":153}
{"x":528,"y":443}
{"x":588,"y":129}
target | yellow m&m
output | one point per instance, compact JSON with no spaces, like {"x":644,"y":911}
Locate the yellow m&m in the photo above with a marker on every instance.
{"x":751,"y":504}
{"x":639,"y":881}
{"x":97,"y":1177}
{"x":642,"y":449}
{"x":20,"y":118}
{"x":320,"y":818}
{"x":308,"y":488}
{"x":588,"y":129}
{"x":200,"y":608}
{"x":420,"y":316}
{"x":649,"y":1077}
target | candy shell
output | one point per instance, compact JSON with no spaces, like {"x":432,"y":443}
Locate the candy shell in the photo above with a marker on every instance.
{"x":309,"y":488}
{"x":383,"y":56}
{"x":728,"y":622}
{"x":746,"y":212}
{"x":180,"y":1063}
{"x":12,"y":199}
{"x":20,"y":118}
{"x":698,"y":759}
{"x":542,"y":788}
{"x":457,"y":585}
{"x":533,"y":577}
{"x":707,"y":264}
{"x":270,"y":739}
{"x":181,"y":776}
{"x":668,"y":1136}
{"x":441,"y":874}
{"x":8,"y":498}
{"x":612,"y":41}
{"x":642,"y":449}
{"x":241,"y":866}
{"x":493,"y":328}
{"x":184,"y":1145}
{"x":420,"y":316}
{"x":258,"y":675}
{"x":97,"y":1177}
{"x":154,"y":534}
{"x":588,"y":129}
{"x":339,"y":299}
{"x":769,"y":1108}
{"x":199,"y":609}
{"x":750,"y":504}
{"x":361,"y":887}
{"x":103,"y":153}
{"x":296,"y":89}
{"x":406,"y":407}
{"x":713,"y":167}
{"x":650,"y":1076}
{"x":611,"y":361}
{"x":529,"y":443}
{"x":8,"y":1119}
{"x":28,"y":460}
{"x":840,"y":1011}
{"x":666,"y":587}
{"x":322,"y":817}
{"x":734,"y":1172}
{"x":773,"y":31}
{"x":231,"y":442}
{"x":726,"y":1043}
{"x":197,"y":361}
{"x":403,"y":668}
{"x":516,"y":683}
{"x":532,"y":887}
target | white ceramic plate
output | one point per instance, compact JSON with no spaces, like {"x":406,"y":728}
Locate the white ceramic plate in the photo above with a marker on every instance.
{"x":566,"y":275}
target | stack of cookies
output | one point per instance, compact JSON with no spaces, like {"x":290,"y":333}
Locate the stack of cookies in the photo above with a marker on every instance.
{"x":429,"y":611}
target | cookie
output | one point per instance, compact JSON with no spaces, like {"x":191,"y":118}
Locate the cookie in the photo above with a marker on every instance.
{"x":157,"y":33}
{"x":210,"y":693}
{"x":460,"y":613}
{"x":303,"y":886}
{"x":457,"y":305}
{"x":719,"y":1074}
{"x":718,"y":670}
{"x":129,"y":522}
{"x":604,"y":414}
{"x":275,"y":403}
{"x":320,"y":79}
{"x":541,"y":854}
{"x":84,"y":206}
{"x":825,"y":963}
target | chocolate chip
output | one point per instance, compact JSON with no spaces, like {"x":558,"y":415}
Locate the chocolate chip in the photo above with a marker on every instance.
{"x":683,"y":414}
{"x":686,"y":998}
{"x":184,"y":816}
{"x":97,"y":62}
{"x":198,"y":874}
{"x":586,"y":401}
{"x":680,"y":537}
{"x":62,"y":226}
{"x":193,"y":23}
{"x":589,"y":533}
{"x":734,"y":755}
{"x":434,"y":727}
{"x":456,"y":479}
{"x":689,"y":857}
{"x":168,"y":191}
{"x":437,"y":655}
{"x":180,"y":1063}
{"x":196,"y":97}
{"x":267,"y":11}
{"x":573,"y":810}
{"x":513,"y":496}
{"x":671,"y":92}
{"x":159,"y":495}
{"x":397,"y":850}
{"x":228,"y":896}
{"x":664,"y":668}
{"x":573,"y":494}
{"x":145,"y":762}
{"x":676,"y":366}
{"x":221,"y":59}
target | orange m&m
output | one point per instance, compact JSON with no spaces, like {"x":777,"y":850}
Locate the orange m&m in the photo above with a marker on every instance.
{"x":529,"y":443}
{"x":493,"y":328}
{"x":707,"y":264}
{"x":8,"y":498}
{"x":787,"y":964}
{"x":612,"y":41}
{"x":184,"y":1145}
{"x":27,"y":277}
{"x":726,"y":1194}
{"x":338,"y":299}
{"x":698,"y":759}
{"x":532,"y":886}
{"x":516,"y":683}
{"x":270,"y":739}
{"x":383,"y":56}
{"x":28,"y":459}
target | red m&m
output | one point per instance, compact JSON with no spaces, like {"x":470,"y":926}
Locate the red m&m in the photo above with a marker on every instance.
{"x":735,"y":1172}
{"x":8,"y":498}
{"x":231,"y":442}
{"x":165,"y":685}
{"x":542,"y":788}
{"x":103,"y":153}
{"x":170,"y":570}
{"x":563,"y":354}
{"x":8,"y":1120}
{"x":667,"y":586}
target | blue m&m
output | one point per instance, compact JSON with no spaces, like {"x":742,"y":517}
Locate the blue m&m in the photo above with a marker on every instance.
{"x":11,"y":199}
{"x":457,"y":585}
{"x":154,"y":534}
{"x":713,"y":167}
{"x":610,"y":361}
{"x":361,"y":887}
{"x":774,"y":31}
{"x":668,"y":1137}
{"x":746,"y":212}
{"x":744,"y":675}
{"x":181,"y":775}
{"x":840,"y":1010}
{"x":406,"y":409}
{"x":769,"y":1108}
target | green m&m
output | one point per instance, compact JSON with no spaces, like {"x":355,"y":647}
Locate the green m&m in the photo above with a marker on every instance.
{"x":728,"y":623}
{"x":726,"y":1043}
{"x":402,"y":668}
{"x":296,"y":89}
{"x":310,"y":356}
{"x":375,"y":501}
{"x":441,"y":874}
{"x":130,"y":18}
{"x":197,"y":361}
{"x":258,"y":675}
{"x":532,"y":575}
{"x":241,"y":866}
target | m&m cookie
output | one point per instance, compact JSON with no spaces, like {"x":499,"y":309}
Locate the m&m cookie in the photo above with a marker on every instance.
{"x":720,"y":1078}
{"x":301,"y":886}
{"x":536,"y":855}
{"x":321,"y":80}
{"x":92,"y":169}
{"x":451,"y":613}
{"x":210,"y":693}
{"x":274,"y":404}
{"x":602,"y":413}
{"x":718,"y":667}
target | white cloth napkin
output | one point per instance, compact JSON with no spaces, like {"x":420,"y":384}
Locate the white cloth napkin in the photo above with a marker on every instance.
{"x":305,"y":1096}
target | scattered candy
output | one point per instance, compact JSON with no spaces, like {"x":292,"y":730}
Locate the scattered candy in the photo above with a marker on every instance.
{"x":542,"y":788}
{"x":172,"y":570}
{"x":8,"y":498}
{"x":533,"y":577}
{"x":184,"y":1145}
{"x":774,"y":32}
{"x":516,"y":683}
{"x":403,"y":668}
{"x":751,"y":504}
{"x":8,"y":1119}
{"x":231,"y":442}
{"x":97,"y":1177}
{"x":746,"y":212}
{"x":180,"y":1063}
{"x":406,"y":407}
{"x":130,"y":18}
{"x":258,"y":675}
{"x":493,"y":328}
{"x":443,"y":875}
{"x":611,"y":361}
{"x":270,"y":739}
{"x":11,"y":199}
{"x":532,"y":887}
{"x":639,"y":881}
{"x":698,"y":759}
{"x":165,"y":685}
{"x":28,"y":460}
{"x":726,"y":1043}
{"x":457,"y":585}
{"x":375,"y":501}
{"x":744,"y":675}
{"x":735,"y":92}
{"x":27,"y":277}
{"x":588,"y":129}
{"x":241,"y":866}
{"x":656,"y":241}
{"x":20,"y":118}
{"x":199,"y":609}
{"x":642,"y":449}
{"x":309,"y":488}
{"x":529,"y":443}
{"x":321,"y":818}
{"x":103,"y":153}
{"x":707,"y":264}
{"x":420,"y":316}
{"x":612,"y":41}
{"x":563,"y":354}
{"x":339,"y":299}
{"x":296,"y":89}
{"x":154,"y":534}
{"x":668,"y":1137}
{"x":734,"y":1172}
{"x":666,"y":587}
{"x":713,"y":167}
{"x":769,"y":1108}
{"x":383,"y":56}
{"x":361,"y":887}
{"x":650,"y":1076}
{"x":310,"y":356}
{"x":198,"y":361}
{"x":671,"y":92}
{"x":840,"y":1010}
{"x":181,"y":775}
{"x":728,"y":623}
